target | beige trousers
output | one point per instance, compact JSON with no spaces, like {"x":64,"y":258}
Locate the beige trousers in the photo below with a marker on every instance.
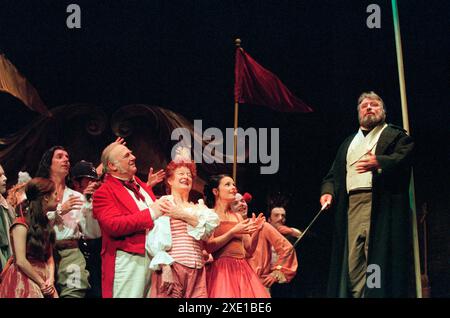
{"x":72,"y":277}
{"x":131,"y":276}
{"x":359,"y":211}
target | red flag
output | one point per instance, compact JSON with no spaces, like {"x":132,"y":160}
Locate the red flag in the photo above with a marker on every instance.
{"x":14,"y":83}
{"x":256,"y":85}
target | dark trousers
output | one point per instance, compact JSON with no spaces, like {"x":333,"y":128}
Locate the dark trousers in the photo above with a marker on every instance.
{"x":91,"y":250}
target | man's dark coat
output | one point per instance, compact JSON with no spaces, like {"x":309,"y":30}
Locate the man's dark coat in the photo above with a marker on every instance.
{"x":390,"y":243}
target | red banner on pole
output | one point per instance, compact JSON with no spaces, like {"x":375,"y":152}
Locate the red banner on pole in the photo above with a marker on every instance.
{"x":256,"y":85}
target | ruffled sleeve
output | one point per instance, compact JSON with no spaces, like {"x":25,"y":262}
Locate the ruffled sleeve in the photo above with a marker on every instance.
{"x":208,"y":220}
{"x":158,"y":242}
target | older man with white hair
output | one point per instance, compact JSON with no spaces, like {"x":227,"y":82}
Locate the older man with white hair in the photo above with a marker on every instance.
{"x":125,"y":208}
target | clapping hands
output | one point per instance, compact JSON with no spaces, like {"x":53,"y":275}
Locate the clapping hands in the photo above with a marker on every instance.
{"x":249,"y":226}
{"x":258,"y":221}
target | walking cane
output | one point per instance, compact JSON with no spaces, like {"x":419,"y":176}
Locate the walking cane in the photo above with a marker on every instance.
{"x":324,"y":206}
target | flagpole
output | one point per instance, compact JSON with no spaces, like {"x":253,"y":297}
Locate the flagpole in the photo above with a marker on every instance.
{"x":401,"y":75}
{"x":236,"y":112}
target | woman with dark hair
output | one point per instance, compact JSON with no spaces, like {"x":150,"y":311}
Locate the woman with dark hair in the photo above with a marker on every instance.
{"x":230,"y":275}
{"x":30,"y":271}
{"x":177,"y":240}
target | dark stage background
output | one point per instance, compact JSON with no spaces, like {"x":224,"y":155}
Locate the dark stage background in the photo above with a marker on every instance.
{"x":180,"y":55}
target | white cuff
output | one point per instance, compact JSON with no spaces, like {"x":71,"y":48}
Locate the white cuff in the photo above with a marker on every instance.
{"x":51,"y":215}
{"x":197,"y":231}
{"x":207,"y":222}
{"x":59,"y":208}
{"x":153,"y":214}
{"x":161,"y":258}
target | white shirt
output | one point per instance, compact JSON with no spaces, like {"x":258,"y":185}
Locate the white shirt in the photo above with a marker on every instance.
{"x":74,"y":222}
{"x":141,"y":204}
{"x":358,"y":149}
{"x":91,"y":226}
{"x":159,"y":239}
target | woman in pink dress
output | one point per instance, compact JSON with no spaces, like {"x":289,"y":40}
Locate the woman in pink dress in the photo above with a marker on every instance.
{"x":230,"y":275}
{"x":29,"y":273}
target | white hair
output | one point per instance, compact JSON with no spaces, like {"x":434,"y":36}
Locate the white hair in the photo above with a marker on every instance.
{"x":106,"y":156}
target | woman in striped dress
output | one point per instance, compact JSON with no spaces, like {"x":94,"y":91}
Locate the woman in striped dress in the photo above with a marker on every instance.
{"x":177,"y":240}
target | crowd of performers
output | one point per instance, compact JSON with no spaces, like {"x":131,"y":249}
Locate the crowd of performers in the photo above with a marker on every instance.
{"x":107,"y":235}
{"x":171,"y":247}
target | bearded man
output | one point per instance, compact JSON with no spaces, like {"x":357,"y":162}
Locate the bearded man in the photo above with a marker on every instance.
{"x":368,"y":187}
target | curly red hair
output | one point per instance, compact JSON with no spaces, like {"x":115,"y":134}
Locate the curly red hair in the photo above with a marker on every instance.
{"x":12,"y":197}
{"x":172,"y":166}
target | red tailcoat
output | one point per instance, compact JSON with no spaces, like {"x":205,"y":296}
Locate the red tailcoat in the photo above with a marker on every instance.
{"x":122,"y":224}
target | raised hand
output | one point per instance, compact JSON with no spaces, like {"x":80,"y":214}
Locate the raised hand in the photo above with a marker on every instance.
{"x":154,"y":179}
{"x":90,"y":189}
{"x":258,"y":221}
{"x":99,"y":168}
{"x":121,"y":141}
{"x":72,"y":203}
